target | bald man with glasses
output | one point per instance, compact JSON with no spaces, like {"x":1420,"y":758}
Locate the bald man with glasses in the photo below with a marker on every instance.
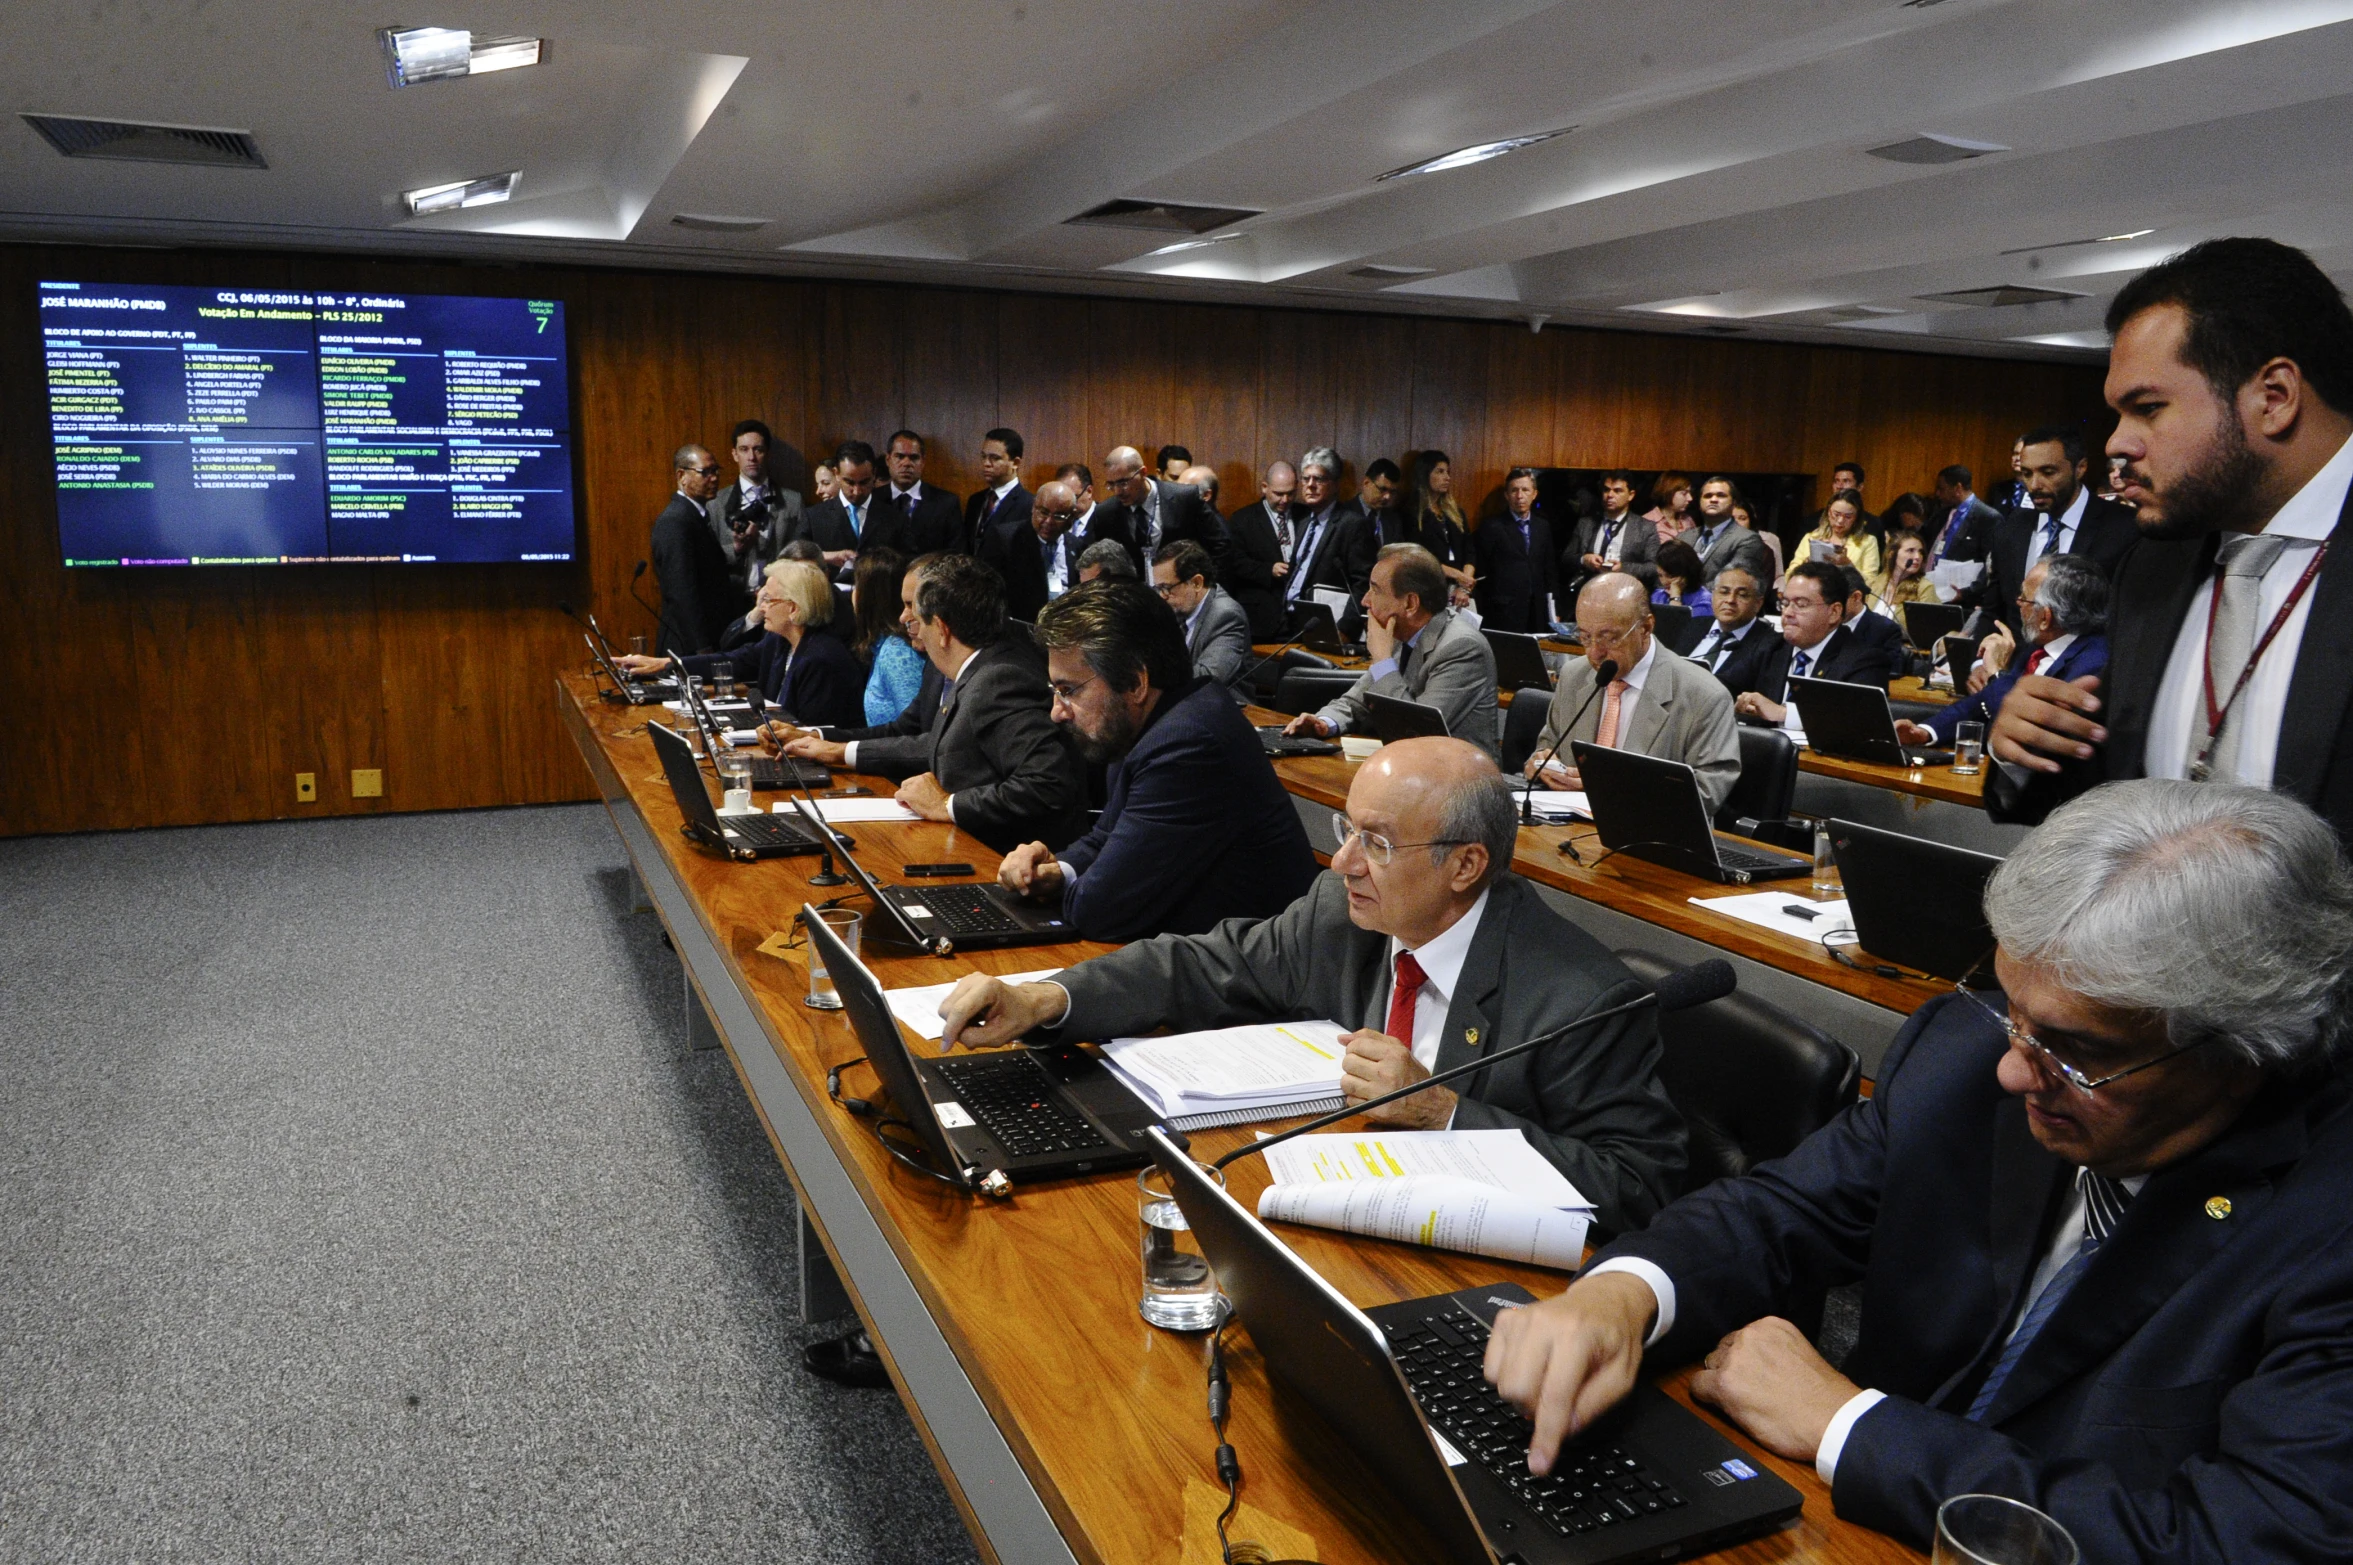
{"x":1423,"y":940}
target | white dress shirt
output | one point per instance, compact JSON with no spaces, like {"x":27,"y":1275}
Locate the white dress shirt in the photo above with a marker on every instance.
{"x":1718,"y":644}
{"x":1441,"y":963}
{"x":1151,"y":514}
{"x":1614,"y":527}
{"x":2071,"y":519}
{"x":1813,"y":656}
{"x":2180,"y":712}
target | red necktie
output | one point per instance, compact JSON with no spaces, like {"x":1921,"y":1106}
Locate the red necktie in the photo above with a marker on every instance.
{"x":1402,"y":996}
{"x":2034,"y":659}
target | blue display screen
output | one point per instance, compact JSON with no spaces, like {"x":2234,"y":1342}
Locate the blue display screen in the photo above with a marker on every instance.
{"x":238,"y":426}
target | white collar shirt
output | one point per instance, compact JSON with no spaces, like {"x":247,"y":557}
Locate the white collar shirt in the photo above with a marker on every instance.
{"x":1813,"y":656}
{"x":2179,"y":714}
{"x":2070,"y":520}
{"x":1441,"y":963}
{"x":1718,"y":643}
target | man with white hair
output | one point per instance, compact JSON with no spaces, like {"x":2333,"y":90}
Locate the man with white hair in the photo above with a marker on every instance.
{"x":1150,"y":513}
{"x":2099,"y":1216}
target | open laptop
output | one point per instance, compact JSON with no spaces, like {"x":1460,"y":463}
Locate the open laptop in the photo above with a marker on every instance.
{"x":1313,"y":627}
{"x":737,"y":836}
{"x":635,"y":692}
{"x":1917,"y":903}
{"x":1926,"y":624}
{"x":769,"y":773}
{"x":978,"y":916}
{"x":1519,"y":660}
{"x":1855,"y":723}
{"x":1958,"y":654}
{"x":1394,"y":719}
{"x":1671,"y":622}
{"x":1400,"y":1385}
{"x":1034,"y":1113}
{"x":1649,"y":808}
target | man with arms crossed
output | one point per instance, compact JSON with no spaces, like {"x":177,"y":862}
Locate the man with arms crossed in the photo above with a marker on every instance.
{"x":2098,"y":1216}
{"x":1194,"y":828}
{"x":1425,"y":941}
{"x":1422,"y":651}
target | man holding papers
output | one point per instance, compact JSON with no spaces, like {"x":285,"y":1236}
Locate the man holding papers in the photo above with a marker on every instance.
{"x":1424,"y":943}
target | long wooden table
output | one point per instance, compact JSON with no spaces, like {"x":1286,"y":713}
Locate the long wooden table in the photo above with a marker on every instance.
{"x":1064,"y":1427}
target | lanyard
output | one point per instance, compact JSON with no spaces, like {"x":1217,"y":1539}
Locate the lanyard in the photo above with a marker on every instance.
{"x":2217,"y":714}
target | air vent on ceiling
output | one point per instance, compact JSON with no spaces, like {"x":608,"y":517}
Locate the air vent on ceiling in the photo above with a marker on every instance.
{"x":1933,"y":148}
{"x":713,"y":224}
{"x":1391,"y":274}
{"x":134,"y":142}
{"x":1995,"y":298}
{"x":1164,"y":217}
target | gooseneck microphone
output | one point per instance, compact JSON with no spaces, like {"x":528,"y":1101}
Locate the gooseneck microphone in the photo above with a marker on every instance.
{"x":1676,"y":991}
{"x":1603,"y":673}
{"x":635,"y":577}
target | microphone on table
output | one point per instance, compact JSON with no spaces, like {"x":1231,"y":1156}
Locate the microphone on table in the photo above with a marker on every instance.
{"x":1603,"y":673}
{"x":1679,"y":990}
{"x":827,"y":837}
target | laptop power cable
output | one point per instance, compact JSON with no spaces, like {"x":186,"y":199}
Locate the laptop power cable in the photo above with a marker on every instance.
{"x":1242,"y":1551}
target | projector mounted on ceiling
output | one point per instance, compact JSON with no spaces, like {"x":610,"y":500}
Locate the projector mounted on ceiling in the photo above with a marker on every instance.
{"x":135,"y":141}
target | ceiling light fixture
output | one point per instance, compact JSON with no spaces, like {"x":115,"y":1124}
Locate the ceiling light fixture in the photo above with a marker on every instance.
{"x":1193,"y":244}
{"x":434,"y":54}
{"x":1464,"y":157}
{"x":2070,"y":244}
{"x":1934,"y":147}
{"x":488,"y":191}
{"x":715,"y":223}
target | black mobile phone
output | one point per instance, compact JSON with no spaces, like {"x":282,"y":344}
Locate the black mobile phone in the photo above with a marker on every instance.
{"x":940,"y":871}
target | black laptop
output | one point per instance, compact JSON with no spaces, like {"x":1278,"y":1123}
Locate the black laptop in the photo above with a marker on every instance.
{"x":1313,"y":627}
{"x":1394,"y":719}
{"x":1276,"y":743}
{"x":1959,"y":655}
{"x":1671,"y":622}
{"x":1926,"y":624}
{"x":1034,"y":1113}
{"x":1649,"y":808}
{"x":769,"y":773}
{"x":1401,"y":1386}
{"x":1519,"y":660}
{"x":1917,"y":903}
{"x":1855,"y":723}
{"x":737,"y":836}
{"x":976,"y":916}
{"x":636,"y":692}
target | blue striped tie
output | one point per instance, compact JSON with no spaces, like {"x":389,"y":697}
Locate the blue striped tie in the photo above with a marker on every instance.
{"x":2104,"y":1201}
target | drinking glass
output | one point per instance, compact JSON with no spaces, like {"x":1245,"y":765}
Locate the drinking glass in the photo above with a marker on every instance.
{"x":637,"y":646}
{"x":1825,"y":859}
{"x":1180,"y":1291}
{"x":1968,"y":749}
{"x":844,"y":925}
{"x":1988,"y":1529}
{"x":735,"y":776}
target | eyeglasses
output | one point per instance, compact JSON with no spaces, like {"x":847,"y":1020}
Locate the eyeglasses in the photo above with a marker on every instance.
{"x":2046,"y":1057}
{"x":1165,"y":588}
{"x":703,"y":472}
{"x":1377,"y":848}
{"x":1066,"y":692}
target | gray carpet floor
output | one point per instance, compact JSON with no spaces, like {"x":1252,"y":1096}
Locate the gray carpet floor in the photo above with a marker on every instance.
{"x":360,"y":1200}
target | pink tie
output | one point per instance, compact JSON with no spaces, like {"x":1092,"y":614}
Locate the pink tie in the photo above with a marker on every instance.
{"x":1607,"y":734}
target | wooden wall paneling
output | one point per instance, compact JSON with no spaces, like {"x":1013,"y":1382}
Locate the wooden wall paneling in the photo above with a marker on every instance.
{"x":861,"y":365}
{"x":1216,"y":399}
{"x":1373,"y":408}
{"x":1129,"y":351}
{"x":1450,"y":392}
{"x":635,"y":406}
{"x":1300,"y":385}
{"x":1042,"y":390}
{"x":952,"y":392}
{"x":1523,"y":374}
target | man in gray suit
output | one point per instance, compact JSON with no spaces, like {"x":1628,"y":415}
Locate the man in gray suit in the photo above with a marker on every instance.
{"x":1618,"y":539}
{"x":753,"y":516}
{"x":1659,"y":704}
{"x":1421,"y":650}
{"x":1721,"y":542}
{"x":1423,"y":940}
{"x":1217,"y":629}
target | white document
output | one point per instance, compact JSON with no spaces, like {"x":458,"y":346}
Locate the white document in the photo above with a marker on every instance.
{"x":1232,"y":1067}
{"x":1334,"y":599}
{"x":918,"y":1009}
{"x":1955,"y":575}
{"x":844,"y":812}
{"x":1769,"y":910}
{"x":1484,"y":1192}
{"x":1554,"y":806}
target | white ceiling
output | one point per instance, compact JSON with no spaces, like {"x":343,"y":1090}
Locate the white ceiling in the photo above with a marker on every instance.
{"x":1717,"y":180}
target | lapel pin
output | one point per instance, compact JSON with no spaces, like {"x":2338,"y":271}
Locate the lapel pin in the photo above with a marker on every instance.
{"x":1470,"y":1035}
{"x":2218,"y":1207}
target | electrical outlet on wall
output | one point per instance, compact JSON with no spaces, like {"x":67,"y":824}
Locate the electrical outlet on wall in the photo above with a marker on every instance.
{"x":306,"y":787}
{"x":367,"y":782}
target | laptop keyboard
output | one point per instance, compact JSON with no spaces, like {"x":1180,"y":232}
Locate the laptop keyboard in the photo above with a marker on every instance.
{"x":771,"y":774}
{"x":1753,"y":862}
{"x":1273,"y":742}
{"x":1588,"y":1490}
{"x":1013,"y":1098}
{"x":766,"y":831}
{"x":967,"y":910}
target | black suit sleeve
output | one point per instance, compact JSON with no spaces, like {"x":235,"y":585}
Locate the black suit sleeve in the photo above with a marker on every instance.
{"x":1038,"y":776}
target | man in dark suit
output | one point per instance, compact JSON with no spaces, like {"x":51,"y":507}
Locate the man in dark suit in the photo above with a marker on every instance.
{"x":840,"y":526}
{"x":755,"y":516}
{"x":2098,"y":1217}
{"x":1720,"y":541}
{"x":899,"y":748}
{"x":1001,"y":500}
{"x":1258,"y":563}
{"x":698,"y":595}
{"x":2066,"y":622}
{"x":1146,"y":513}
{"x":1967,"y":529}
{"x":1615,"y":540}
{"x":1377,"y":493}
{"x":2067,"y":518}
{"x":1217,"y":632}
{"x":1433,"y":955}
{"x":1516,"y":565}
{"x":920,"y":519}
{"x":1876,"y":631}
{"x":1332,"y":549}
{"x":1035,"y":553}
{"x":1815,"y":644}
{"x":1195,"y":828}
{"x":2239,"y":441}
{"x":999,"y":767}
{"x":1735,"y":644}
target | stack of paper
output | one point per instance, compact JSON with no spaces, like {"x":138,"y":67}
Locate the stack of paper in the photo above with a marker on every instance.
{"x":1484,"y":1192}
{"x":1554,"y":806}
{"x":848,"y":812}
{"x":1785,"y":913}
{"x":1234,"y":1075}
{"x":918,"y":1008}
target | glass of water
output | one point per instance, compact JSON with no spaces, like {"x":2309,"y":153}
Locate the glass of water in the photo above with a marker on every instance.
{"x":844,"y":925}
{"x":1825,"y":859}
{"x":735,"y":776}
{"x":1989,"y":1529}
{"x":1968,"y":748}
{"x":637,"y":646}
{"x":1180,"y":1291}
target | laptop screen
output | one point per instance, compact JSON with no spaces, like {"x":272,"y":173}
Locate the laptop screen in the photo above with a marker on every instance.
{"x":686,"y":777}
{"x":901,"y":927}
{"x":886,"y":1050}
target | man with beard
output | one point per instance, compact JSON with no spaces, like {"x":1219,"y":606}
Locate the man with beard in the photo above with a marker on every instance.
{"x":2063,"y":517}
{"x":1195,"y":829}
{"x":2231,"y":375}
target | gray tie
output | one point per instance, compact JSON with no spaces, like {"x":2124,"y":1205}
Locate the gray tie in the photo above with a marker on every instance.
{"x":2231,"y":642}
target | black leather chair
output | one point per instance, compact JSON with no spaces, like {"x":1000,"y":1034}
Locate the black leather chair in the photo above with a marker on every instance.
{"x":1759,"y":801}
{"x":1523,"y":725}
{"x":1751,"y":1080}
{"x":1269,"y":671}
{"x":1306,"y":689}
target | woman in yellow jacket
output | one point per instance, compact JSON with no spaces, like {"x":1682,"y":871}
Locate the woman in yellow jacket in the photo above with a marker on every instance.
{"x":1841,"y":540}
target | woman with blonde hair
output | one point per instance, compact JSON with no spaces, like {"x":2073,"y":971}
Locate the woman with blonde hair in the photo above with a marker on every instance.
{"x":1907,"y":580}
{"x":814,"y":678}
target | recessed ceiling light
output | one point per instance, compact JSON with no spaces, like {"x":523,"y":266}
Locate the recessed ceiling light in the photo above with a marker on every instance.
{"x":1382,"y":271}
{"x":2070,"y":244}
{"x":489,"y":191}
{"x":2110,"y":239}
{"x":434,"y":54}
{"x":1193,"y":244}
{"x":1464,"y":157}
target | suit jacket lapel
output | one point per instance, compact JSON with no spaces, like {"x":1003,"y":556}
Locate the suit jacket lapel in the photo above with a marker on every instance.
{"x":1651,"y":710}
{"x":2027,"y":1183}
{"x":2323,"y":680}
{"x":1474,"y":1010}
{"x":2133,"y":678}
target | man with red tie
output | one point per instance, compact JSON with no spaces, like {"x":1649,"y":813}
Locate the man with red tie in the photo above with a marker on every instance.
{"x":1424,"y":941}
{"x":2064,"y":611}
